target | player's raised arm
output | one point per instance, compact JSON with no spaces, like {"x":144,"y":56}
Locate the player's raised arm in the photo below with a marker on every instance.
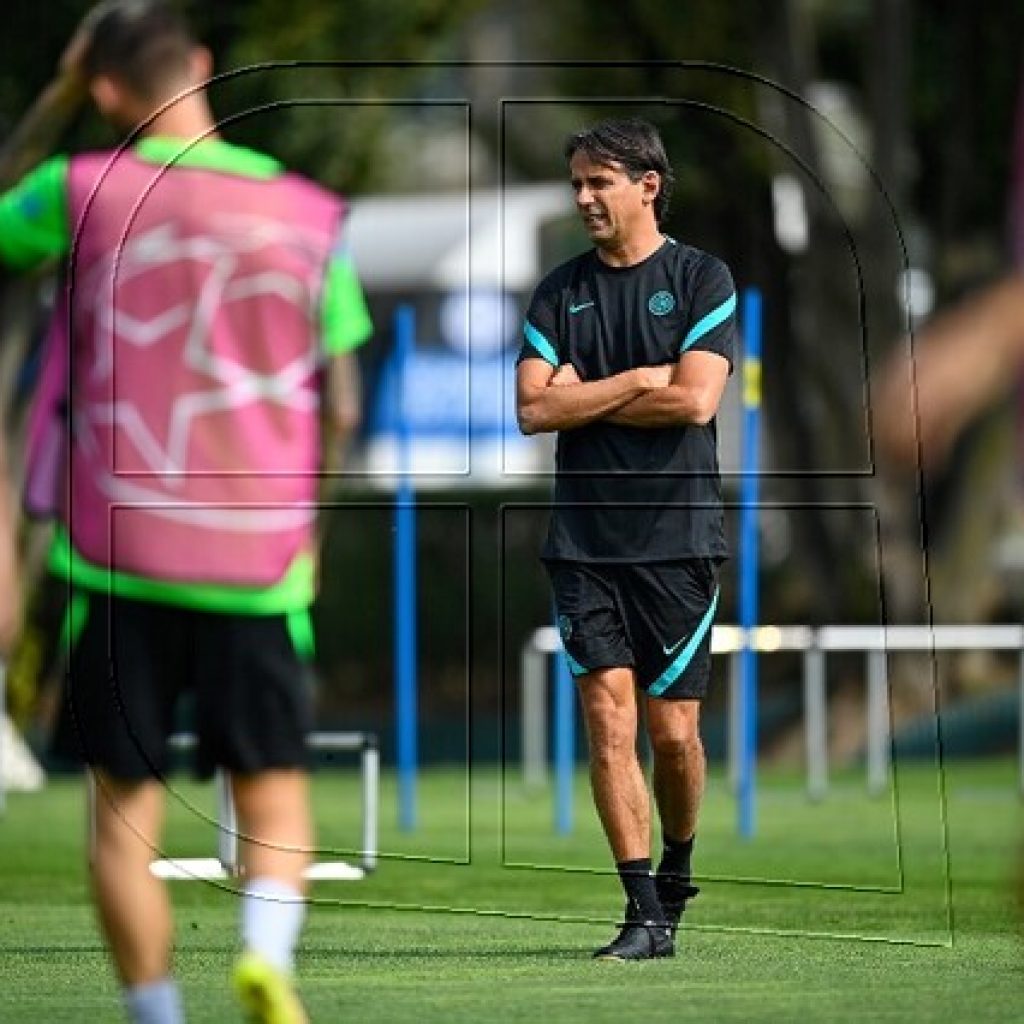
{"x":42,"y":125}
{"x":554,"y":398}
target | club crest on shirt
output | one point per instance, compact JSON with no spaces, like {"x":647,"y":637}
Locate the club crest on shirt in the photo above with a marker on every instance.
{"x":564,"y":627}
{"x":661,"y":303}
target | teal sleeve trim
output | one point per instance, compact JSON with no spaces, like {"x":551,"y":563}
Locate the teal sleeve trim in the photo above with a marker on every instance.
{"x":678,"y":666}
{"x":544,"y":347}
{"x":709,"y":322}
{"x":574,"y":666}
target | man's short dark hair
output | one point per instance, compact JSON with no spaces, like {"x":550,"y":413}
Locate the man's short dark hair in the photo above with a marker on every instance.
{"x":635,"y":145}
{"x":145,"y":44}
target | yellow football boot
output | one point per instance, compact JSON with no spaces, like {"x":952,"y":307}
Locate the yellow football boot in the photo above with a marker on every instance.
{"x":266,"y":993}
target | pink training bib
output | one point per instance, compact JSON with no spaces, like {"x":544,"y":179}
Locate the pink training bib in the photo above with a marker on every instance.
{"x":192,"y":324}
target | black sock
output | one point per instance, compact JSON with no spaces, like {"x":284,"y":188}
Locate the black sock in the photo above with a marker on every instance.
{"x":675,"y":860}
{"x":638,"y":882}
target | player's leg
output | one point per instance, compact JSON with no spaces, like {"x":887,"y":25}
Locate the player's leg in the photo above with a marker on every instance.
{"x":679,"y":764}
{"x":678,"y":780}
{"x":672,"y":609}
{"x":275,"y":824}
{"x":277,"y":837}
{"x":133,"y":907}
{"x":121,"y":727}
{"x":600,"y":658}
{"x":255,"y":711}
{"x":608,"y":698}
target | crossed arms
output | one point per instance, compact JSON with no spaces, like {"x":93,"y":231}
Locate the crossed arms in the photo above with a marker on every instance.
{"x":554,"y":398}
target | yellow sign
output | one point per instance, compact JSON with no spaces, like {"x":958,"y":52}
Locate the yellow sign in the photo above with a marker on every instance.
{"x":752,"y":383}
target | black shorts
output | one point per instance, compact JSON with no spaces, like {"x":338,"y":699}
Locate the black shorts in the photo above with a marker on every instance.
{"x":654,"y":617}
{"x":135,"y":661}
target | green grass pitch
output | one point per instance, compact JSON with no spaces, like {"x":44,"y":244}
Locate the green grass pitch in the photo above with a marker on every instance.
{"x":851,"y":909}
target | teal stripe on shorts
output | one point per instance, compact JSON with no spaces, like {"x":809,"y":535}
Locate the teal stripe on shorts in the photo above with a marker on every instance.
{"x":678,"y":665}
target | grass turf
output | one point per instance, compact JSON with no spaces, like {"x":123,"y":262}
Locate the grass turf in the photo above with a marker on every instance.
{"x":850,"y":909}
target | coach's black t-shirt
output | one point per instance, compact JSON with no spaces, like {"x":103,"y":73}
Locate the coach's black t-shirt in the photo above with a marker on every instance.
{"x":634,"y":494}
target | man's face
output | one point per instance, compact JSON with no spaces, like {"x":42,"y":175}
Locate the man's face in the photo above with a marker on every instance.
{"x":613,"y":208}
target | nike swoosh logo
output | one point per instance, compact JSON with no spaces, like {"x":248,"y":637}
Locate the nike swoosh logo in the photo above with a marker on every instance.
{"x":581,"y":306}
{"x":669,"y":651}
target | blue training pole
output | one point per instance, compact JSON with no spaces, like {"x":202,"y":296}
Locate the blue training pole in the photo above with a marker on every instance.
{"x":565,"y":744}
{"x":406,"y":712}
{"x":749,"y":557}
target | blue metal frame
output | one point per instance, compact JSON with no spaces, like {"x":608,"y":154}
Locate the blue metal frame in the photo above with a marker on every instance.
{"x":749,"y":557}
{"x":405,"y":636}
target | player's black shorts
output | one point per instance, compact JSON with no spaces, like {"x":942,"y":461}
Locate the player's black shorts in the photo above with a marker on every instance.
{"x":655,"y":617}
{"x":135,"y":662}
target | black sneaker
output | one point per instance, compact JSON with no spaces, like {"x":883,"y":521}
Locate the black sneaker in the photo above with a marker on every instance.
{"x":674,"y":896}
{"x":639,"y":941}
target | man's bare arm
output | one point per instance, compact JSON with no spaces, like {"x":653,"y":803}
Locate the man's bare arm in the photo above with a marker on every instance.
{"x":340,"y":411}
{"x":548,"y":399}
{"x":692,"y":396}
{"x":341,"y":408}
{"x":11,"y":610}
{"x":961,"y":361}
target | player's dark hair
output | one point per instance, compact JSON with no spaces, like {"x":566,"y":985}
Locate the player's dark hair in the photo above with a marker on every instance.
{"x":146,"y":44}
{"x":636,"y":146}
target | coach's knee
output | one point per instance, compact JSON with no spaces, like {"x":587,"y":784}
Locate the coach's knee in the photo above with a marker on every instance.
{"x":612,"y":738}
{"x":612,"y":751}
{"x":681,"y":744}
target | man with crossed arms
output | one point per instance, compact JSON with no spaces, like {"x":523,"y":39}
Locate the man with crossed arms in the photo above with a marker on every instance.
{"x":626,"y":354}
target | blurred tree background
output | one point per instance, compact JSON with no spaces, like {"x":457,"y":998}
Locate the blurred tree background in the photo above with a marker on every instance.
{"x":900,"y":156}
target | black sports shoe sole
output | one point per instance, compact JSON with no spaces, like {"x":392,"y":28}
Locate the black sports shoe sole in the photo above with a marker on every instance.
{"x":615,"y":958}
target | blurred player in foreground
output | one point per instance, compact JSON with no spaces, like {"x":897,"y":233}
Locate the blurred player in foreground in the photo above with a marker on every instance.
{"x":963,"y":361}
{"x":627,"y":352}
{"x":208,"y":306}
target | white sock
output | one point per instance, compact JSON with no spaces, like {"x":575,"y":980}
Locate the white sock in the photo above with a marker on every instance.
{"x":272,"y":916}
{"x":156,"y":1002}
